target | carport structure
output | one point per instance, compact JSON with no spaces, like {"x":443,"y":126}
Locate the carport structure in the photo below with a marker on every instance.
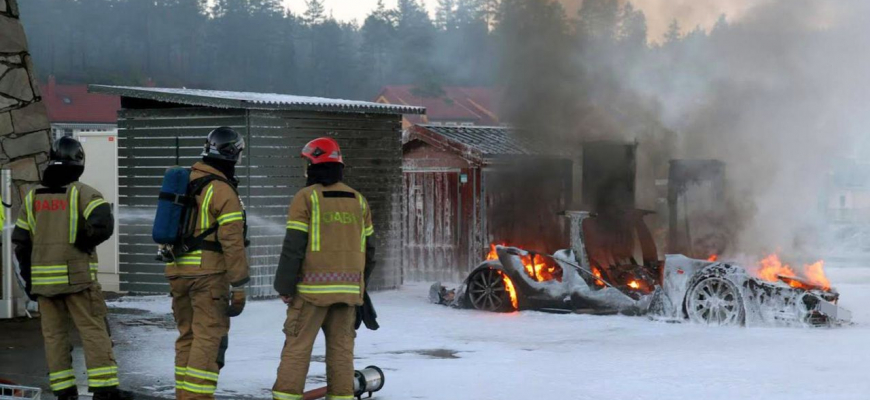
{"x":160,"y":127}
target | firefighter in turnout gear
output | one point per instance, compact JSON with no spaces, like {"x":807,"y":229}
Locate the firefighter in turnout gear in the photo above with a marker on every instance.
{"x":59,"y":226}
{"x":325,"y":262}
{"x":200,"y":280}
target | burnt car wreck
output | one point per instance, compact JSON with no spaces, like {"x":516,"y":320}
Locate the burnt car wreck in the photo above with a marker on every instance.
{"x":600,"y":275}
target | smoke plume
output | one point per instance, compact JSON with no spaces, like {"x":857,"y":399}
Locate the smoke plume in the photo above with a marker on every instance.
{"x":779,"y":93}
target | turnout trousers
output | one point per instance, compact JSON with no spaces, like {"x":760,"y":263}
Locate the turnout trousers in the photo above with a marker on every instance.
{"x":199,"y":305}
{"x":304,"y":321}
{"x":87,"y":310}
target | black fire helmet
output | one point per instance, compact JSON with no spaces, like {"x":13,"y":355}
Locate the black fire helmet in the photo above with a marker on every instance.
{"x":224,"y":144}
{"x":67,"y":151}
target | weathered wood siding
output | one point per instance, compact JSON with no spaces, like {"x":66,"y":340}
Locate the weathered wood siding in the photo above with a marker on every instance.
{"x":152,"y":140}
{"x":443,"y":238}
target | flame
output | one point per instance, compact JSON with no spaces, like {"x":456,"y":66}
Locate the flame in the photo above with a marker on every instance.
{"x":597,"y":273}
{"x":512,"y":292}
{"x":713,"y":258}
{"x":536,"y":266}
{"x":634,"y":284}
{"x":771,"y":268}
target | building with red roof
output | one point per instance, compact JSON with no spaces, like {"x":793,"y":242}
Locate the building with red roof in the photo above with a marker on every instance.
{"x":454,"y":106}
{"x":72,"y":110}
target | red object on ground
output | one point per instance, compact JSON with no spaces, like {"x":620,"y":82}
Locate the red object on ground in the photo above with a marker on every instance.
{"x":318,"y":393}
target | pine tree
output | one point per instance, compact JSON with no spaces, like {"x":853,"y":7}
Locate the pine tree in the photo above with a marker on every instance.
{"x":315,"y":13}
{"x":445,"y":14}
{"x":673,"y":34}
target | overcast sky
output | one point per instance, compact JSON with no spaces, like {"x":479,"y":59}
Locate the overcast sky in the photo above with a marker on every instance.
{"x":659,"y":13}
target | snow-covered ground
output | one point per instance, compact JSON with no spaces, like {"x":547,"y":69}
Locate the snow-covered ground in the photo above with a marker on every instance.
{"x":433,"y":352}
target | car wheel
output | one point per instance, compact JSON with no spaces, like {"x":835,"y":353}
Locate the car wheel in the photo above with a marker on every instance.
{"x":487,"y":292}
{"x":715,"y":301}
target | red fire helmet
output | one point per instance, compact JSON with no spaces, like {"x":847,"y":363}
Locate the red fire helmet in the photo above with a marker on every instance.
{"x":322,"y":150}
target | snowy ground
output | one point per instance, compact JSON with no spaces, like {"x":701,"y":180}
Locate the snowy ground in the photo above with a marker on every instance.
{"x":433,"y":352}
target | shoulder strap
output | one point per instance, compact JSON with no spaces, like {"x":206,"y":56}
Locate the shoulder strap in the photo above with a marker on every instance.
{"x":195,"y":187}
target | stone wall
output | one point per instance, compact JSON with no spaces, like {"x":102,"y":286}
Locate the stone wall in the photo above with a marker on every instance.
{"x":24,"y":127}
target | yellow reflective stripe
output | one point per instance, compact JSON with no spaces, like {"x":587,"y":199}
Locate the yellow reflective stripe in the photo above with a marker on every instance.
{"x":73,"y":213}
{"x":203,"y":212}
{"x":315,"y":222}
{"x":92,"y":205}
{"x":22,"y":224}
{"x":181,"y":370}
{"x":328,"y":289}
{"x":61,"y":374}
{"x":198,"y":373}
{"x":276,"y":395}
{"x":103,"y":382}
{"x":299,"y":226}
{"x":230,"y":217}
{"x":63,"y":384}
{"x":49,"y":270}
{"x":196,"y":388}
{"x":29,"y":208}
{"x":102,"y":371}
{"x":362,"y":236}
{"x":192,"y":258}
{"x":369,"y":231}
{"x":60,"y":280}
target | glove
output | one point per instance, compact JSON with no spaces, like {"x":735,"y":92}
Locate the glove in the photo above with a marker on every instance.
{"x":237,"y":302}
{"x":83,"y":242}
{"x":366,"y":314}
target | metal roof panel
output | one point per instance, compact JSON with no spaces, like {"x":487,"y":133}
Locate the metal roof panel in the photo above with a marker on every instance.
{"x":251,"y":100}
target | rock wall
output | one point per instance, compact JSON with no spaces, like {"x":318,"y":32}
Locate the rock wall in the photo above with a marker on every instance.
{"x":25,"y":136}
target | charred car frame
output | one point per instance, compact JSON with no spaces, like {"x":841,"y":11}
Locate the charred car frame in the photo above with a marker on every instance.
{"x":599,"y":275}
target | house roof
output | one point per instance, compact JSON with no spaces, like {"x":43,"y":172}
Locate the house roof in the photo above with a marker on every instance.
{"x":457,"y":103}
{"x":478,"y":143}
{"x":256,"y":101}
{"x":73,"y":104}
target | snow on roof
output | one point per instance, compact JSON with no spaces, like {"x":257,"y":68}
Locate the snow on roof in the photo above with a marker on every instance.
{"x":250,"y":100}
{"x":481,"y":142}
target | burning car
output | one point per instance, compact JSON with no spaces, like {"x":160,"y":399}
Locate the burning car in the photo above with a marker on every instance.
{"x":600,"y":274}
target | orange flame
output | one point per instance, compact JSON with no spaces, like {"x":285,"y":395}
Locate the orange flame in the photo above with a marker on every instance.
{"x":713,"y":258}
{"x":771,"y":268}
{"x":536,"y":266}
{"x":634,"y":284}
{"x":597,"y":273}
{"x":512,"y":292}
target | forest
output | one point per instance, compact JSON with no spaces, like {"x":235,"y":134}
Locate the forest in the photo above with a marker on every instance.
{"x":258,"y":45}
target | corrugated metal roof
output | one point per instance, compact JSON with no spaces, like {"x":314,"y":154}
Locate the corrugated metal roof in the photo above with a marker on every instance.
{"x":249,"y":100}
{"x":489,"y":141}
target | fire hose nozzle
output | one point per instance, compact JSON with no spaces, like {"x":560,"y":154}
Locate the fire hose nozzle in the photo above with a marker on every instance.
{"x":367,"y":380}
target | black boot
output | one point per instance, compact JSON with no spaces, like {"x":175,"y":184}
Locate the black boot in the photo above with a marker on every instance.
{"x":68,"y":394}
{"x":113,"y":394}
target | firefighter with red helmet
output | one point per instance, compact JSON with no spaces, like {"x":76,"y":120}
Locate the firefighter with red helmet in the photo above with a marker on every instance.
{"x":325,"y":263}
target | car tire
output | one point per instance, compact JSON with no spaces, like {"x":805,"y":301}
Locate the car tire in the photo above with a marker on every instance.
{"x":715,"y":300}
{"x":486,"y":291}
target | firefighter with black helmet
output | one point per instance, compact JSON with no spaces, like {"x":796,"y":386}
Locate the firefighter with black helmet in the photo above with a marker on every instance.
{"x":207,"y":283}
{"x":324,"y":266}
{"x":59,"y":226}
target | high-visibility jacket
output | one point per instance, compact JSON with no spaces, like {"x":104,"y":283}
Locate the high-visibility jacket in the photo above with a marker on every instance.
{"x":224,"y":250}
{"x":338,"y":222}
{"x":54,"y":224}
